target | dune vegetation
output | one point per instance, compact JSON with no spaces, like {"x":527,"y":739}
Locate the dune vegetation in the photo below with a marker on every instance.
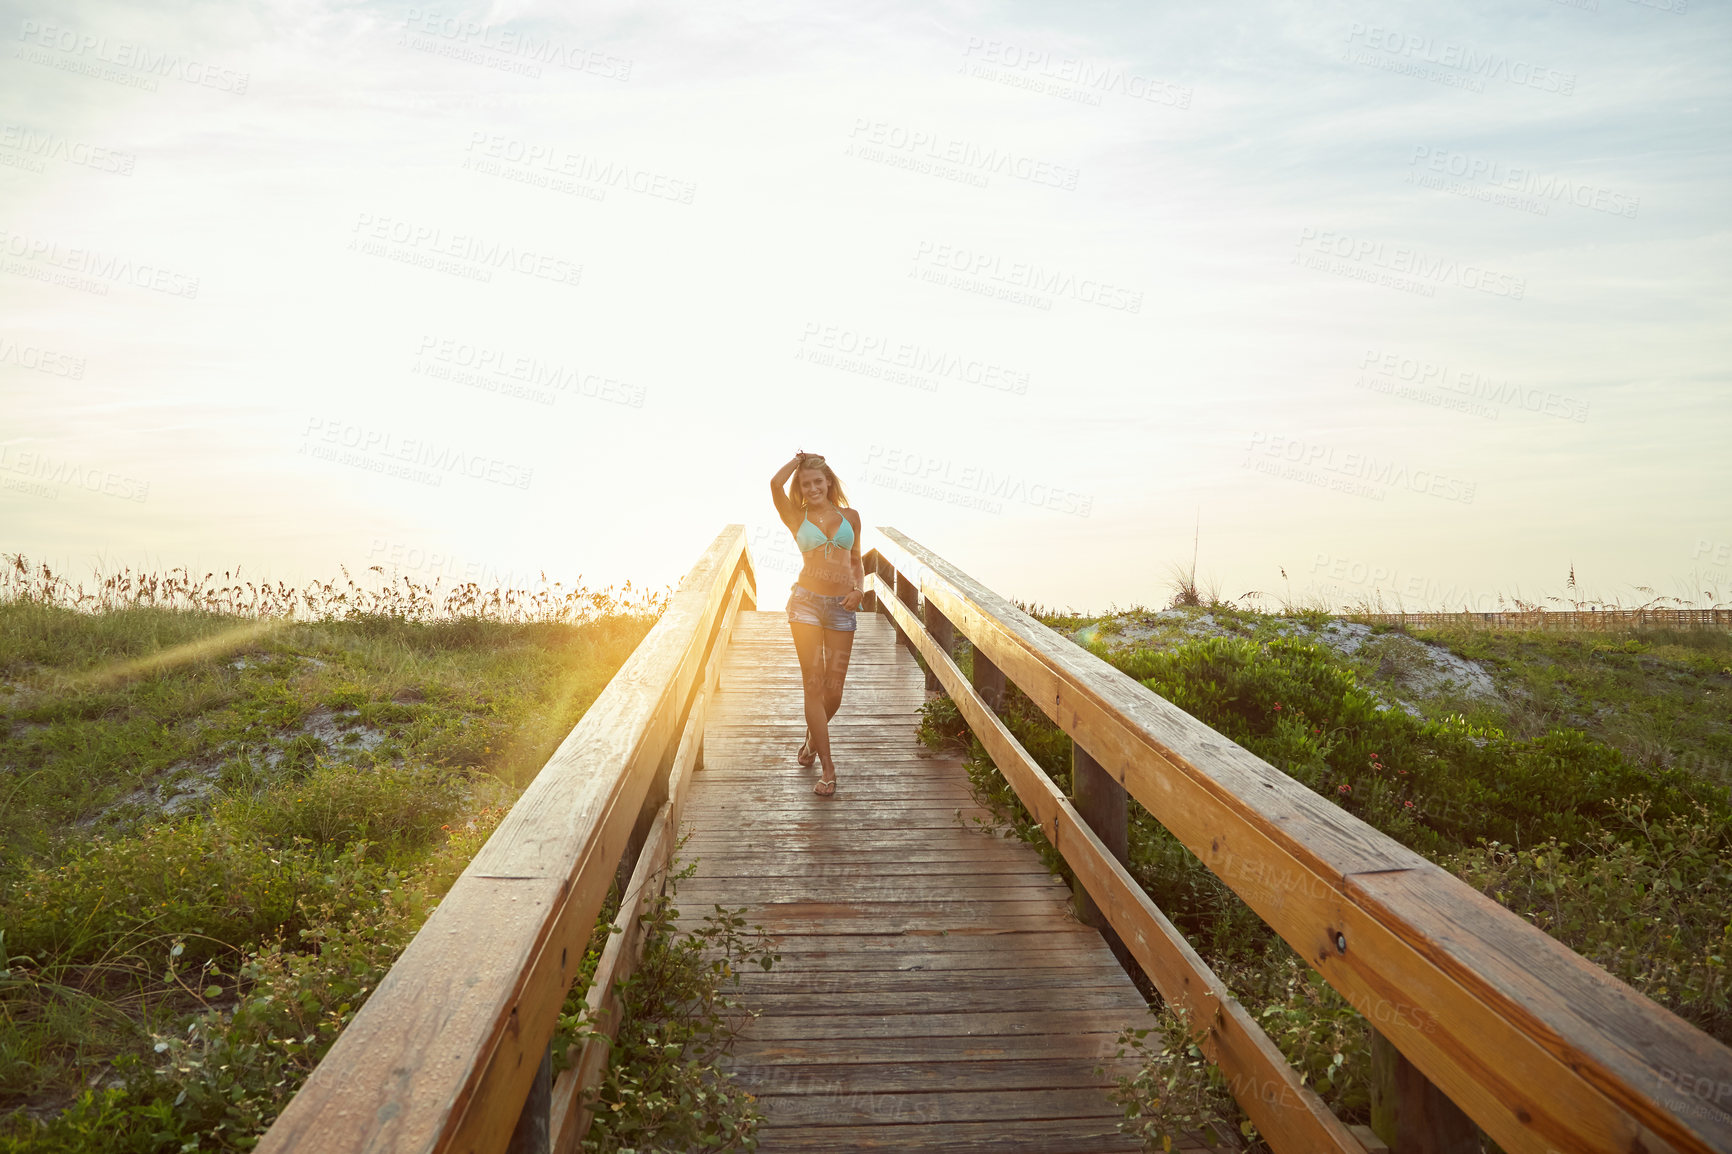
{"x":226,"y":808}
{"x":1582,"y":780}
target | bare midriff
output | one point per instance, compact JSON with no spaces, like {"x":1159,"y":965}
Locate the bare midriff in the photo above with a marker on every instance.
{"x":830,"y":578}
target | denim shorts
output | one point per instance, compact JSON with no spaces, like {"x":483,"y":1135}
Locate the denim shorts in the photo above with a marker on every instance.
{"x":808,"y":608}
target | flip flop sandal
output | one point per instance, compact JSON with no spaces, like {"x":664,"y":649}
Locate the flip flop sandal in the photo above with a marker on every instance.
{"x":806,"y":756}
{"x":825,"y":788}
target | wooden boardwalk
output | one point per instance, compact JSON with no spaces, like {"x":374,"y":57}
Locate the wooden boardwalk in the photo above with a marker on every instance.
{"x":935,"y":990}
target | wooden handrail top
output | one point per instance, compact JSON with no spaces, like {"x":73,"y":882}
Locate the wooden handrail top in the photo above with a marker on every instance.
{"x":1544,"y":1050}
{"x":443,"y":1053}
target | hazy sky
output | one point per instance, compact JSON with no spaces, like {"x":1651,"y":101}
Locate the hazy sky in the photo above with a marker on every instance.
{"x":1422,"y":298}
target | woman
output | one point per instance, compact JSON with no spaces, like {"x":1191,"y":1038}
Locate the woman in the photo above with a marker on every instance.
{"x":823,"y":599}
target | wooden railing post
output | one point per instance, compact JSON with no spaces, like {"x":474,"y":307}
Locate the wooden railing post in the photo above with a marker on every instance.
{"x":1411,"y":1114}
{"x":646,"y":816}
{"x":938,"y":625}
{"x":886,"y":575}
{"x":1102,"y":803}
{"x":909,"y":595}
{"x":534,"y":1131}
{"x":988,"y":680}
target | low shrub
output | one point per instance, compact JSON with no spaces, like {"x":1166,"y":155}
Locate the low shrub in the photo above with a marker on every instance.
{"x":665,"y":1088}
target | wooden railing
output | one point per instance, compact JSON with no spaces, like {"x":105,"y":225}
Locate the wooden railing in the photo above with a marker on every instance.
{"x":451,"y":1051}
{"x":1485,"y":1017}
{"x":1572,"y":619}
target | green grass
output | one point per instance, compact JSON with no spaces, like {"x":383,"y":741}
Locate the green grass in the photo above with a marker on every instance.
{"x":1663,"y":699}
{"x":217,"y":832}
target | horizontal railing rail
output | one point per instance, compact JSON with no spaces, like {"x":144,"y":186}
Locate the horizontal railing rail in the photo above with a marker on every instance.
{"x":445,"y":1053}
{"x":1545,"y":1051}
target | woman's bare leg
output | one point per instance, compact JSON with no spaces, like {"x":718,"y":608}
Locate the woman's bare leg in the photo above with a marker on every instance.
{"x":838,"y":648}
{"x":809,"y":644}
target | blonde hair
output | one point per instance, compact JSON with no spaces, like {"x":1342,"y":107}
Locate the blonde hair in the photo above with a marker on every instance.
{"x":814,"y":461}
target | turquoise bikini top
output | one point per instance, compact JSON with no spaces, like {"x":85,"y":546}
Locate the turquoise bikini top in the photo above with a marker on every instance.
{"x":808,"y":536}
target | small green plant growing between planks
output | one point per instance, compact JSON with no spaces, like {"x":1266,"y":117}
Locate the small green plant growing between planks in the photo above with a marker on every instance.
{"x":1174,"y":1091}
{"x":665,"y":1087}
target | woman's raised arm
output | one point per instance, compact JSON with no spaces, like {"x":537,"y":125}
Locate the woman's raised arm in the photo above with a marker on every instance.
{"x":779,"y":487}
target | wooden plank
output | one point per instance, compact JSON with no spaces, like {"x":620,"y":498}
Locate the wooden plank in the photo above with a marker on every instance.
{"x":867,"y":822}
{"x":784,"y":798}
{"x":761,"y":1053}
{"x":787,"y":889}
{"x":995,"y":857}
{"x":789,"y":1002}
{"x":1285,"y":1110}
{"x":969,"y":870}
{"x":1493,"y":1005}
{"x":908,"y":1027}
{"x":851,"y":1106}
{"x":817,"y":837}
{"x":815,"y":918}
{"x":463,"y":1030}
{"x":1046,"y":1136}
{"x":1029,"y":977}
{"x":892,"y":1076}
{"x":865,"y":950}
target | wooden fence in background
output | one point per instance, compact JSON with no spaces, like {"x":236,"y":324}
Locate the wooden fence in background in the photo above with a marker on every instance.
{"x":1617,"y":620}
